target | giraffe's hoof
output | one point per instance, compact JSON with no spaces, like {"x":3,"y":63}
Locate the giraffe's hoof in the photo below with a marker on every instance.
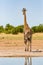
{"x":29,"y":50}
{"x":25,"y":50}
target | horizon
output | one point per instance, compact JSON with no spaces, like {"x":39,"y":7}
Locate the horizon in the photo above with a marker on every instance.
{"x":11,"y":12}
{"x":19,"y":25}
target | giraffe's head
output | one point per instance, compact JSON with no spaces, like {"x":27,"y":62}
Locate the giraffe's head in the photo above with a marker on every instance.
{"x":24,"y":11}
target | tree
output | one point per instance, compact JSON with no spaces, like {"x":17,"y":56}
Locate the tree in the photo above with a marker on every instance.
{"x":38,"y":28}
{"x":20,"y":28}
{"x":1,"y":29}
{"x":14,"y":31}
{"x":8,"y":28}
{"x":34,"y":29}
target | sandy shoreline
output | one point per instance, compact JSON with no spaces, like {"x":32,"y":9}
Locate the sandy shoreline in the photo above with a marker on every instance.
{"x":20,"y":54}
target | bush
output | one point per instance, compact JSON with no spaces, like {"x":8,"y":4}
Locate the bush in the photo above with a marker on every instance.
{"x":37,"y":28}
{"x":1,"y":29}
{"x":14,"y":31}
{"x":9,"y":29}
{"x":20,"y":29}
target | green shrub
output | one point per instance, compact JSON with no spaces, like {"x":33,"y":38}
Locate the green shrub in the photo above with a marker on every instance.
{"x":1,"y":29}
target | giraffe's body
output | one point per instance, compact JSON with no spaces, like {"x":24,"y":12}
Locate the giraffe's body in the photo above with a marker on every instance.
{"x":27,"y":33}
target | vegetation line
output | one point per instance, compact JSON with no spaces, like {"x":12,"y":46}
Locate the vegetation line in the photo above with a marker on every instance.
{"x":10,"y":29}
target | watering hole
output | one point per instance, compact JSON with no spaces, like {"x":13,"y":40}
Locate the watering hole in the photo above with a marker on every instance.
{"x":22,"y":61}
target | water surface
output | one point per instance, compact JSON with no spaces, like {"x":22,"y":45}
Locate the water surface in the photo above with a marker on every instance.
{"x":22,"y":61}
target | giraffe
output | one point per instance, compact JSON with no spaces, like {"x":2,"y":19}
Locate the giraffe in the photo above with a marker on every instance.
{"x":27,"y":33}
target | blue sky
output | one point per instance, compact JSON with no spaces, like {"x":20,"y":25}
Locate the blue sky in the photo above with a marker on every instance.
{"x":11,"y":12}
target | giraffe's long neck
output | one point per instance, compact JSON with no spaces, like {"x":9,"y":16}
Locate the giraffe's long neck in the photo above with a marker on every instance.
{"x":26,"y":27}
{"x":25,"y":22}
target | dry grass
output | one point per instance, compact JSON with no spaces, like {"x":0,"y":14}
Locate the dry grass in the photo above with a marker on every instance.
{"x":16,"y":42}
{"x":36,"y":36}
{"x":10,"y":36}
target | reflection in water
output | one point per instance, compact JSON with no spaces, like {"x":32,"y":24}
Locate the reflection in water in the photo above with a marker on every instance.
{"x":28,"y":61}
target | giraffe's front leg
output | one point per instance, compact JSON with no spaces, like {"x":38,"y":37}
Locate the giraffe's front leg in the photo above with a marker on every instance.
{"x":25,"y":41}
{"x":28,"y":46}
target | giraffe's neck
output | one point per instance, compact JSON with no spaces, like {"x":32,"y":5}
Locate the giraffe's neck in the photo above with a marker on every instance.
{"x":25,"y":19}
{"x":26,"y":27}
{"x":25,"y":23}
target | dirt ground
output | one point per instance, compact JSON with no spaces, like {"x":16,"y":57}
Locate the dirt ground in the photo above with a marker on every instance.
{"x":10,"y":42}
